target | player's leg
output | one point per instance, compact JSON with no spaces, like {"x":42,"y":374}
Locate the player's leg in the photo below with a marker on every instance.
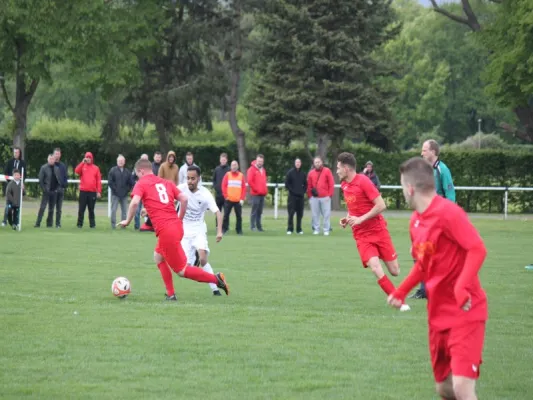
{"x":441,"y":363}
{"x":166,"y":274}
{"x":445,"y":389}
{"x":387,"y":253}
{"x":466,"y":348}
{"x":204,"y":263}
{"x":173,"y":253}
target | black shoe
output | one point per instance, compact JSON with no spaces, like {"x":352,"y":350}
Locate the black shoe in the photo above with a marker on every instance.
{"x":79,"y":226}
{"x":171,"y":298}
{"x":58,"y":226}
{"x":419,"y":294}
{"x":221,"y":284}
{"x":216,"y":293}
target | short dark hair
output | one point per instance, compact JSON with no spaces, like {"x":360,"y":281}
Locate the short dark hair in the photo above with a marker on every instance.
{"x":16,"y":171}
{"x":260,"y":156}
{"x":434,"y":146}
{"x":419,"y":173}
{"x":157,"y":153}
{"x":347,"y":159}
{"x":188,"y":154}
{"x":224,"y":155}
{"x":143,"y":164}
{"x":57,"y":149}
{"x":195,"y":168}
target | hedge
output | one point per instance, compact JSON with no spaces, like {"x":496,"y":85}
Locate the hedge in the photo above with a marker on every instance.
{"x":469,"y":168}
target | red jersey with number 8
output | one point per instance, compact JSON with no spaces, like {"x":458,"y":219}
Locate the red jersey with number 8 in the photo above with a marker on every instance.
{"x":158,"y":196}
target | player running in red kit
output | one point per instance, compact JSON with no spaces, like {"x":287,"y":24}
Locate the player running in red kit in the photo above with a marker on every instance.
{"x":158,"y":196}
{"x":369,"y":228}
{"x":449,"y":253}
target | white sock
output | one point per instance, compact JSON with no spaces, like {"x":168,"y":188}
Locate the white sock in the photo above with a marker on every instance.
{"x":207,"y":268}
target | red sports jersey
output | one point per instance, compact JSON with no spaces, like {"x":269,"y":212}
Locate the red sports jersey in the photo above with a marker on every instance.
{"x":359,"y":195}
{"x":448,"y":252}
{"x":158,"y":196}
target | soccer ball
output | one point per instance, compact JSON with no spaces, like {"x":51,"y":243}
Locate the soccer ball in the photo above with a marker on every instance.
{"x":121,"y":287}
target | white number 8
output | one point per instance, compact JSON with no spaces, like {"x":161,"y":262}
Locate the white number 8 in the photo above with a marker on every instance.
{"x":162,"y":191}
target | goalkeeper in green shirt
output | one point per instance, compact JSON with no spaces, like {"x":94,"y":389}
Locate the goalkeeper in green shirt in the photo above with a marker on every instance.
{"x":443,"y":184}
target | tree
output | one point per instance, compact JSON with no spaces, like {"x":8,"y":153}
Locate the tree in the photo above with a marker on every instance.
{"x":508,"y":38}
{"x":39,"y":34}
{"x":314,"y":72}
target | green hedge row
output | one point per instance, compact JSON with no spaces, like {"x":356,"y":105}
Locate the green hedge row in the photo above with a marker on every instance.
{"x":469,"y":168}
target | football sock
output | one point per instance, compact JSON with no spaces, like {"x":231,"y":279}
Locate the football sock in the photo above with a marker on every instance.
{"x":166,"y":274}
{"x":199,"y":275}
{"x":207,"y":268}
{"x":386,"y":285}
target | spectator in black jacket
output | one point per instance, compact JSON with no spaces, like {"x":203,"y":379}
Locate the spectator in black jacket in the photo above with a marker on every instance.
{"x":63,"y":175}
{"x":158,"y":157}
{"x":369,"y":171}
{"x":296,"y":184}
{"x":218,"y":176}
{"x":120,"y":183}
{"x":15,"y":163}
{"x":49,"y":181}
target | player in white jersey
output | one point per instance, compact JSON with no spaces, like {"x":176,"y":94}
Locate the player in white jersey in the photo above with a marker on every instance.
{"x":194,"y":239}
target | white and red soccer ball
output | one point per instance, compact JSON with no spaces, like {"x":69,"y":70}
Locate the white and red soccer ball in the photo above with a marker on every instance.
{"x":121,"y":287}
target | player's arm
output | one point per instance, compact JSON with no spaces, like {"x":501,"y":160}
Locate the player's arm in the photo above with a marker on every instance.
{"x":458,"y":228}
{"x":132,"y":210}
{"x":183,"y":200}
{"x":397,"y":298}
{"x":447,"y":184}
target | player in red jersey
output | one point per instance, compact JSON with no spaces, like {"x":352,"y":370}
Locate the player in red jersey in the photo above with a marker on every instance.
{"x":449,"y":253}
{"x":158,"y":196}
{"x":369,"y":228}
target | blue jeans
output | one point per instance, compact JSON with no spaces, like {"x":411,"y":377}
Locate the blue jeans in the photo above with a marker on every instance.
{"x":138,"y":216}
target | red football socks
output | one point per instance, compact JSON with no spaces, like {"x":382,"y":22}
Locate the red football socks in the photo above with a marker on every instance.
{"x":166,"y":274}
{"x":199,"y":275}
{"x":386,"y":285}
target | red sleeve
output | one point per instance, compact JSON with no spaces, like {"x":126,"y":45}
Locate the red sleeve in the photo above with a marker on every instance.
{"x":410,"y":281}
{"x":243,"y":187}
{"x":309,"y":184}
{"x":368,"y":188}
{"x":224,"y":185}
{"x":331,"y":183}
{"x":79,"y":169}
{"x":458,"y":228}
{"x":98,"y":181}
{"x":138,"y":190}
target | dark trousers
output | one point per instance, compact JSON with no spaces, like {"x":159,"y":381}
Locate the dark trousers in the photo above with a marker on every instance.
{"x":219,"y":199}
{"x":13,"y":215}
{"x":295,"y":205}
{"x":257,"y":211}
{"x":228,"y":206}
{"x":59,"y":206}
{"x":48,"y":199}
{"x":87,"y":200}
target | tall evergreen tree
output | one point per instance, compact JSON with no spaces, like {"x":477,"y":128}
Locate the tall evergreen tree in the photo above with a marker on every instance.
{"x":315,"y":71}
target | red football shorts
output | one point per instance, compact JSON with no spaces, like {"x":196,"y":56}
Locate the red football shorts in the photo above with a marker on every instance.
{"x":169,"y":246}
{"x":457,"y":351}
{"x":376,"y":245}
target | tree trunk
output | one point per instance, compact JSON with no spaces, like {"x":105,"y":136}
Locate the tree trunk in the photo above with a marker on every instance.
{"x":525,"y":116}
{"x":164,"y":137}
{"x":19,"y":132}
{"x":322,"y":144}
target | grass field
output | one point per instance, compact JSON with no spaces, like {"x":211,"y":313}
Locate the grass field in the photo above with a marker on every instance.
{"x":304,"y":320}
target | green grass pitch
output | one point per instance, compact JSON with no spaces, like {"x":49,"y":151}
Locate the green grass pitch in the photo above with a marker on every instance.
{"x":303,"y":321}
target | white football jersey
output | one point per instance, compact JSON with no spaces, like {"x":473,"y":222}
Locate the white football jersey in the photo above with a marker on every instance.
{"x":199,"y":202}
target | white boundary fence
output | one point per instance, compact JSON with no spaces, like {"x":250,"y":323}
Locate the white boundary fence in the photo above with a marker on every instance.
{"x":281,"y":186}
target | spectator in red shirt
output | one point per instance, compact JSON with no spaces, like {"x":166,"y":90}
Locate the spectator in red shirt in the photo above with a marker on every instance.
{"x":320,"y":187}
{"x":257,"y":180}
{"x":90,"y":188}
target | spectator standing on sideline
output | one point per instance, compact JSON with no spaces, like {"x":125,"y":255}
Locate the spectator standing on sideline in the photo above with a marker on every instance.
{"x":158,"y":157}
{"x":369,"y":171}
{"x":90,"y":188}
{"x":13,"y":197}
{"x":16,"y":162}
{"x":257,"y":180}
{"x":320,"y":188}
{"x":63,"y":183}
{"x":296,"y":184}
{"x":218,"y":177}
{"x":189,"y":161}
{"x":169,"y":170}
{"x":233,"y":188}
{"x":134,"y":179}
{"x":50,"y":182}
{"x":443,"y":185}
{"x":120,"y":184}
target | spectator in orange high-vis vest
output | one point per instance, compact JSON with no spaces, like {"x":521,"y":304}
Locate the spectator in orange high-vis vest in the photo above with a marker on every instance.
{"x":234,"y":192}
